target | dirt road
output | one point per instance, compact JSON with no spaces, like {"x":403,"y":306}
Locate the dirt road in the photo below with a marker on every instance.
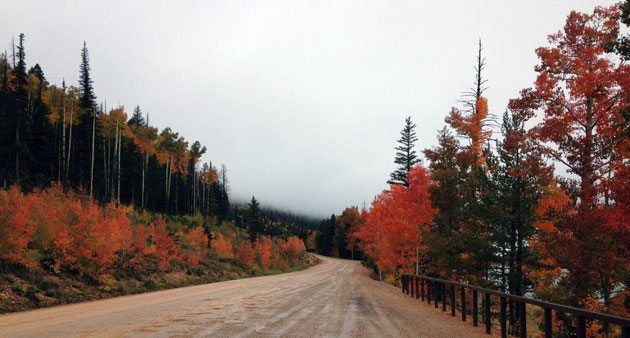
{"x":333,"y":299}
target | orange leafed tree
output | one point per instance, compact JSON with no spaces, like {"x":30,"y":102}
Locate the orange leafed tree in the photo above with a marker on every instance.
{"x":140,"y":247}
{"x":246,"y":253}
{"x":109,"y":236}
{"x":263,"y":246}
{"x":396,"y":222}
{"x":278,"y":260}
{"x":17,"y":225}
{"x":222,"y":246}
{"x":294,"y":247}
{"x":196,"y":244}
{"x":473,"y":126}
{"x":582,"y":93}
{"x":350,"y":221}
{"x":166,"y":251}
{"x":75,"y":232}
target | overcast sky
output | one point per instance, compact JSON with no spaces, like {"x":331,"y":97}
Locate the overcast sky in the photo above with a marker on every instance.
{"x":302,"y":100}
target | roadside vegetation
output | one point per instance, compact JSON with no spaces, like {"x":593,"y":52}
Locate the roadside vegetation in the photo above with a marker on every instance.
{"x":533,"y":200}
{"x":96,"y":201}
{"x":58,"y":247}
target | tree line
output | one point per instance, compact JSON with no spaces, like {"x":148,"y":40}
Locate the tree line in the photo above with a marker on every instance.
{"x":97,"y":191}
{"x":533,"y":201}
{"x":54,"y":133}
{"x":97,"y":194}
{"x":61,"y":134}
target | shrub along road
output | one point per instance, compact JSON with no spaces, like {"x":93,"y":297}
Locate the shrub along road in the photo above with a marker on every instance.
{"x":335,"y":298}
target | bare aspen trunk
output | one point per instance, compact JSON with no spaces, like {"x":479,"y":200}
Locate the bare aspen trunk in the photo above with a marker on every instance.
{"x":113,"y":175}
{"x":62,"y":161}
{"x":69,"y":144}
{"x":166,"y":181}
{"x":17,"y":144}
{"x":145,"y":164}
{"x":110,"y":159}
{"x":170,"y":178}
{"x":144,"y":168}
{"x":118,"y":175}
{"x":92,"y":157}
{"x":106,"y":152}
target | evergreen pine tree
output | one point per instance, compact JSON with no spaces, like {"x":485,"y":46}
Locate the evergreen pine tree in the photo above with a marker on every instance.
{"x":406,"y":156}
{"x":20,"y":102}
{"x":87,"y":101}
{"x":137,"y":118}
{"x":254,"y":219}
{"x":86,"y":145}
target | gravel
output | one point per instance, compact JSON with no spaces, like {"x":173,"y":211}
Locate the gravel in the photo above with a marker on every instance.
{"x":335,"y":298}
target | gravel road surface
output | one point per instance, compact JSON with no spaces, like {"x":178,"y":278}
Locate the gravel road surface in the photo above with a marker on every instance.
{"x":335,"y":298}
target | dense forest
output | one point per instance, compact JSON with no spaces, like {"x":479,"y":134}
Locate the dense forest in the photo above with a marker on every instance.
{"x":531,"y":201}
{"x":93,"y":192}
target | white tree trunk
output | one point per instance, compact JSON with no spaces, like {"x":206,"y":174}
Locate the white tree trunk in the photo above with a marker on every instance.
{"x":69,"y":145}
{"x":118,"y":175}
{"x":62,"y":161}
{"x":92,"y":157}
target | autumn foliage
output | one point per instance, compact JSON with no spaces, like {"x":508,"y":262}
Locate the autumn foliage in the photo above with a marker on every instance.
{"x":263,"y":247}
{"x":581,"y":97}
{"x":17,"y":226}
{"x":508,"y":215}
{"x":246,"y":254}
{"x":396,"y":223}
{"x":222,"y":246}
{"x":196,"y":246}
{"x":294,"y":247}
{"x":66,"y":231}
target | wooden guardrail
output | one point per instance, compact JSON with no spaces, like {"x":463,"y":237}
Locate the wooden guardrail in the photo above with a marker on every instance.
{"x":436,"y":290}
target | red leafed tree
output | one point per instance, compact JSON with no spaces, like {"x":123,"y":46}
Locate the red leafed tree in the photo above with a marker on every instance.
{"x":582,"y":93}
{"x":110,"y":235}
{"x":195,"y":245}
{"x":17,"y":225}
{"x":263,"y":246}
{"x":350,"y":221}
{"x":165,"y":248}
{"x":222,"y":246}
{"x":140,"y":247}
{"x":278,"y":260}
{"x":473,"y":126}
{"x":294,"y":247}
{"x":246,"y":253}
{"x":394,"y":226}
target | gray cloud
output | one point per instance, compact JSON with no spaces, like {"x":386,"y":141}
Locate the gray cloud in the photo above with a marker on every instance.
{"x":302,"y":100}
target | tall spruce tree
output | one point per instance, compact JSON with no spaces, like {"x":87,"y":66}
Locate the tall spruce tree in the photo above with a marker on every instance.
{"x":406,"y":156}
{"x":20,"y":101}
{"x":137,"y":119}
{"x":88,"y":98}
{"x":254,"y":218}
{"x":86,"y":133}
